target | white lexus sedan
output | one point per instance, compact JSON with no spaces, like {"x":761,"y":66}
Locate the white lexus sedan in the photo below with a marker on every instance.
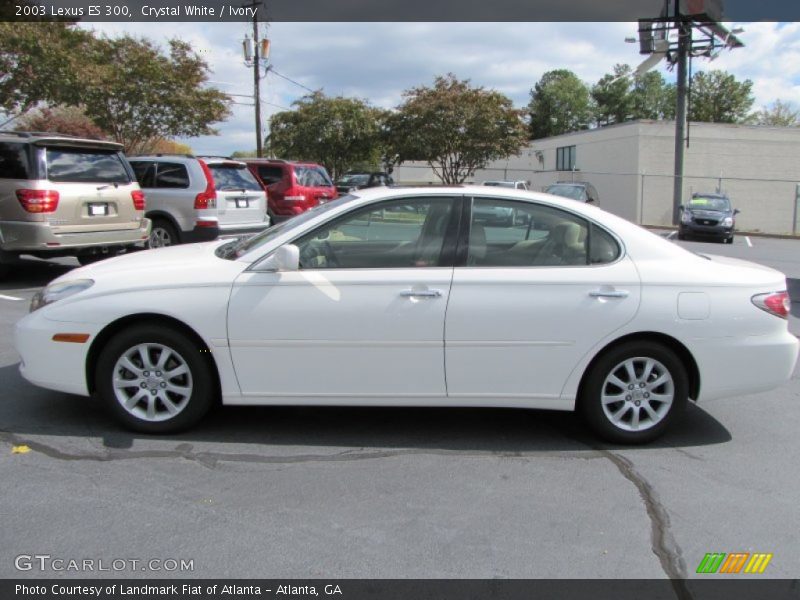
{"x":417,"y":297}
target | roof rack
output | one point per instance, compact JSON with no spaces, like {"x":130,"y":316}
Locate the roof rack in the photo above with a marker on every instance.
{"x":162,"y":154}
{"x":215,"y":156}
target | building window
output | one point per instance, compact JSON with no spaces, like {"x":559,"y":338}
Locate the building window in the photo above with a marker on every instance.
{"x":565,"y":158}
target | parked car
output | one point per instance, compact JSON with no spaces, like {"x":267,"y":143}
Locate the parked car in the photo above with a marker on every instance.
{"x":582,"y":310}
{"x":581,"y":191}
{"x":708,"y":216}
{"x":192,"y":199}
{"x":292,"y":187}
{"x":67,"y":196}
{"x":516,"y":185}
{"x":350,"y":182}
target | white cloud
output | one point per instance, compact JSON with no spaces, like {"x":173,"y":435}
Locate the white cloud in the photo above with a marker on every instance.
{"x":377,"y":61}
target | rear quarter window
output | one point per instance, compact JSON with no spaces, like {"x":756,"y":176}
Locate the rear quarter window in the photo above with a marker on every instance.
{"x":81,"y":165}
{"x":172,"y":175}
{"x":270,"y":175}
{"x":14,"y":161}
{"x":312,"y":176}
{"x":144,"y":172}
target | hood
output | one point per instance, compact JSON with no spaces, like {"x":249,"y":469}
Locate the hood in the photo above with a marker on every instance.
{"x":180,"y":266}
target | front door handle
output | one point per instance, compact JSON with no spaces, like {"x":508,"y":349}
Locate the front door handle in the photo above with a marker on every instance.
{"x":609,"y":293}
{"x":421,"y":293}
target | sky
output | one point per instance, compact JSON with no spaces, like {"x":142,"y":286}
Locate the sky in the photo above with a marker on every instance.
{"x":378,"y":61}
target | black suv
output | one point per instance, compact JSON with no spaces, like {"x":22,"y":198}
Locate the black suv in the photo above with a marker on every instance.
{"x":351,"y":182}
{"x":708,"y":216}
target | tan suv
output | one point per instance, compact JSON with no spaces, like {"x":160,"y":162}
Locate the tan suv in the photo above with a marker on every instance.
{"x":67,"y":196}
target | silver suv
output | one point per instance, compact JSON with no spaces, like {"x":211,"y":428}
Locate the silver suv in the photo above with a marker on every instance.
{"x":193,"y":199}
{"x":67,"y":196}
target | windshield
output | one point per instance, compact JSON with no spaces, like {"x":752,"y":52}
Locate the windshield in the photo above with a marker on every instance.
{"x":361,"y":179}
{"x":233,"y":177}
{"x":508,"y":184}
{"x":567,"y":191}
{"x":236,"y":249}
{"x":709,"y":203}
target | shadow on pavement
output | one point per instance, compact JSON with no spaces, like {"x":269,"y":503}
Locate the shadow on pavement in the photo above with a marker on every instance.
{"x":32,"y":273}
{"x":26,"y":410}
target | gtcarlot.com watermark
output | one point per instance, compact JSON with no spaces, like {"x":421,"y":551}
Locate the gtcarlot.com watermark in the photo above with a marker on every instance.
{"x":46,"y":562}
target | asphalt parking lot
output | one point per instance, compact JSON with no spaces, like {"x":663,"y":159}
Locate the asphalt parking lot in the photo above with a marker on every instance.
{"x":396,"y":493}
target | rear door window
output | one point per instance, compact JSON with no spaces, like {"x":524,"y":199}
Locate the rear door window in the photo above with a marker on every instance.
{"x":270,"y":175}
{"x":172,"y":175}
{"x":81,"y":165}
{"x":144,"y":172}
{"x":233,"y":177}
{"x":14,"y":161}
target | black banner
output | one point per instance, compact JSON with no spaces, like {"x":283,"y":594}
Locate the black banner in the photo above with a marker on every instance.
{"x":734,"y":588}
{"x":381,"y":10}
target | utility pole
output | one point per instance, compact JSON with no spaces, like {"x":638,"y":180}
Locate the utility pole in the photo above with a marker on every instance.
{"x":252,"y":58}
{"x":684,"y":44}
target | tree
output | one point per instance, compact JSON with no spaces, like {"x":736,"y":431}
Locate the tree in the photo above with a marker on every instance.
{"x":244,"y":153}
{"x":779,"y":114}
{"x":139,"y":95}
{"x":716,"y":97}
{"x":165,"y":146}
{"x":335,"y":132}
{"x":652,"y":97}
{"x":454,"y":127}
{"x":40,"y":63}
{"x":70,"y":120}
{"x":612,"y":96}
{"x":560,"y":103}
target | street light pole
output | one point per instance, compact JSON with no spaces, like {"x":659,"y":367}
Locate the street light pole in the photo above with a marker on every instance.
{"x":684,"y":43}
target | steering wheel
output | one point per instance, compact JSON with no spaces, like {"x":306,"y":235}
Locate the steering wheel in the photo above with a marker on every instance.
{"x":313,"y":251}
{"x":331,"y":260}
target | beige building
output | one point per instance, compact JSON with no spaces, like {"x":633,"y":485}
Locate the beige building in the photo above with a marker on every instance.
{"x":631,"y":166}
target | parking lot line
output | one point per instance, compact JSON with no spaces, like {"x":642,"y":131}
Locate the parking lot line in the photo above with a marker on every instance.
{"x":747,"y":239}
{"x":13,"y":298}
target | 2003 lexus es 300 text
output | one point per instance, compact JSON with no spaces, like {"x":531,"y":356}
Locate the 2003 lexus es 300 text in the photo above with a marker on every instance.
{"x":414,"y":297}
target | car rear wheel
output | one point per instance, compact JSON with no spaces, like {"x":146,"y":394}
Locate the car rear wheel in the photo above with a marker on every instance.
{"x":634,"y":392}
{"x":155,"y":379}
{"x":162,"y":234}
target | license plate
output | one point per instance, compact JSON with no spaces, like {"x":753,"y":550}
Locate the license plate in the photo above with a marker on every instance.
{"x":98,"y":210}
{"x":242,"y":203}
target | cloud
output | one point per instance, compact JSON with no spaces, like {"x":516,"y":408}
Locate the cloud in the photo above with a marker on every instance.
{"x":378,"y":61}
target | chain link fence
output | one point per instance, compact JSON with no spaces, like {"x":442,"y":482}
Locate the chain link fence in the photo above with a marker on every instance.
{"x":766,"y":205}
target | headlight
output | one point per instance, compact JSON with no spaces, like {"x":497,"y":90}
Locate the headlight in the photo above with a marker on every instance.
{"x":686,"y":217}
{"x":59,"y":291}
{"x":727,"y":222}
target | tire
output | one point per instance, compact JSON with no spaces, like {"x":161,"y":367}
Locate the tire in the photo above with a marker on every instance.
{"x":681,"y":236}
{"x":615,"y":420}
{"x":729,"y":240}
{"x":162,"y":234}
{"x":155,"y":402}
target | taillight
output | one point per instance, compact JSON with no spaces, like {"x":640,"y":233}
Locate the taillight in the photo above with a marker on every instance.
{"x":38,"y":201}
{"x":208,"y":197}
{"x":775,"y":303}
{"x":138,"y":199}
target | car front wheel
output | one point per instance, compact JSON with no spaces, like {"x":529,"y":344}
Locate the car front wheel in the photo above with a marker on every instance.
{"x":155,"y":379}
{"x":634,"y":392}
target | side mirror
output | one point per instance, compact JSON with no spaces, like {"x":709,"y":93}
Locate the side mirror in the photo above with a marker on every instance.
{"x":736,"y":211}
{"x":285,"y":258}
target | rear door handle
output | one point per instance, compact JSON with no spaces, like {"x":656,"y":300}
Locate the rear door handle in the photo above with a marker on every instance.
{"x":609,"y":293}
{"x":421,"y":293}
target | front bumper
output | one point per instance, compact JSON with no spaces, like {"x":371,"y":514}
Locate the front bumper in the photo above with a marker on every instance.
{"x":709,"y":231}
{"x":21,"y":237}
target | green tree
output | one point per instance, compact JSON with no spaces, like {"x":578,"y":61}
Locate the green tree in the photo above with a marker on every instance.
{"x":40,"y":63}
{"x":717,"y":97}
{"x":613,"y":102}
{"x":560,"y":103}
{"x":139,"y":95}
{"x":335,"y":132}
{"x":779,"y":114}
{"x":454,"y":127}
{"x":652,"y":97}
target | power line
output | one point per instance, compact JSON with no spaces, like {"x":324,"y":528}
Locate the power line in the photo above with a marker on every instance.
{"x":290,"y":80}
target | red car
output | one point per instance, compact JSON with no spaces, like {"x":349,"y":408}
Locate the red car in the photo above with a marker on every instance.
{"x":292,"y":187}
